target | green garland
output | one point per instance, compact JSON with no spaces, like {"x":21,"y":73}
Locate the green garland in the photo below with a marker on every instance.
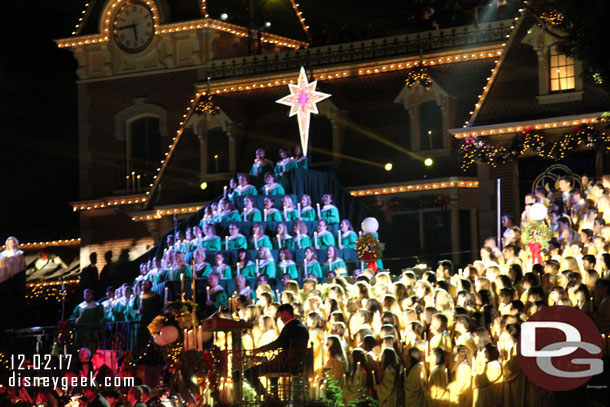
{"x":369,"y":248}
{"x":475,"y":149}
{"x":536,"y":231}
{"x":334,"y":392}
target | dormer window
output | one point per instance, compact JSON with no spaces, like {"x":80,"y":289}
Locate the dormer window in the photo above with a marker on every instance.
{"x":561,"y":71}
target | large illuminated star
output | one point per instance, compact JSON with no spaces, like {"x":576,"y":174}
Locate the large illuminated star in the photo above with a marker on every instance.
{"x":302,"y":101}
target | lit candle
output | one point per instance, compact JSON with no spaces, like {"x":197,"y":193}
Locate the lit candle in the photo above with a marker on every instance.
{"x":265,"y":214}
{"x":305,"y":268}
{"x":127,"y":183}
{"x":361,"y":265}
{"x":299,"y":210}
{"x":315,"y":239}
{"x":224,"y":193}
{"x":139,"y":184}
{"x":133,"y":181}
{"x":199,"y":338}
{"x":238,"y":268}
{"x":193,"y":287}
{"x":186,"y":340}
{"x":257,"y":261}
{"x":374,"y":378}
{"x":255,"y":242}
{"x":216,"y":162}
{"x":245,"y":215}
{"x":166,"y":295}
{"x":318,"y":209}
{"x":339,"y":236}
{"x":279,"y":241}
{"x":181,"y":282}
{"x":360,"y":234}
{"x":226,"y":242}
{"x":277,"y":294}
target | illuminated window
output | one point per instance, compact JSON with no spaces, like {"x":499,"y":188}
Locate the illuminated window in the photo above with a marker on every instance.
{"x":561,"y":71}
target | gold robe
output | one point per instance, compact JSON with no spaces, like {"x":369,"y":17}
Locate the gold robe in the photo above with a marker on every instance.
{"x":460,"y":389}
{"x":387,"y":389}
{"x":438,"y":393}
{"x":487,"y":386}
{"x":514,"y":380}
{"x":415,"y":386}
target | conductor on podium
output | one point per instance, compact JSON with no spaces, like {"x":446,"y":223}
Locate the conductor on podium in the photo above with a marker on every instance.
{"x":292,"y":341}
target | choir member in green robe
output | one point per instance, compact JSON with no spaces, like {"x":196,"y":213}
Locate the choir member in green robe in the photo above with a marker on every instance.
{"x":197,"y":238}
{"x":334,"y":263}
{"x":271,"y":187}
{"x":251,"y":212}
{"x":258,"y":238}
{"x":286,"y":265}
{"x":306,"y":212}
{"x":322,"y":237}
{"x":242,"y":288}
{"x":216,"y":296}
{"x":283,"y":238}
{"x":244,"y":188}
{"x":245,"y":266}
{"x":299,"y":159}
{"x":348,"y":236}
{"x":266,"y":263}
{"x":107,"y":304}
{"x":270,"y":213}
{"x":329,"y":212}
{"x":87,"y":312}
{"x":286,"y":163}
{"x":311,"y":264}
{"x":220,"y":268}
{"x":235,"y":239}
{"x":261,"y":164}
{"x":300,"y":240}
{"x":180,"y":268}
{"x":289,"y":212}
{"x":210,"y":241}
{"x":230,"y":194}
{"x":229,"y":213}
{"x":201,"y":268}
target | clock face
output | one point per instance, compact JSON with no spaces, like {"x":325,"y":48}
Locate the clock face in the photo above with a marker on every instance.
{"x":133,"y":26}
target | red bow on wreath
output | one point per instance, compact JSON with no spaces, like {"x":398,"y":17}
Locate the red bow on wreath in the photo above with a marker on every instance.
{"x":536,"y":252}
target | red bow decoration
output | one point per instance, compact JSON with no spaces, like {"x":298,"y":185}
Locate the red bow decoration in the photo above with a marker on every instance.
{"x":536,"y":252}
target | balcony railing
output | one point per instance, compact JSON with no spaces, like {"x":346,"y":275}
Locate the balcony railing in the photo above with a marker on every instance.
{"x":411,"y":44}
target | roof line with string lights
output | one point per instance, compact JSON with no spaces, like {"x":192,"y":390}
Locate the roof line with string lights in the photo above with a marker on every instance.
{"x":415,"y":186}
{"x":39,"y":245}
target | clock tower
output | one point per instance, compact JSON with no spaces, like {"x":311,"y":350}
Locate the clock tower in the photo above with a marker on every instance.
{"x":138,"y":65}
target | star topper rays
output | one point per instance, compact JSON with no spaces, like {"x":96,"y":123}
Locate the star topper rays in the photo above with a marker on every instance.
{"x":302,"y":101}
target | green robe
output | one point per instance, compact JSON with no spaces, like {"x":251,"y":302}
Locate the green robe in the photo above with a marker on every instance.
{"x":287,"y":241}
{"x":224,"y":271}
{"x":258,"y":169}
{"x":274,"y":215}
{"x":174,"y":275}
{"x":308,"y":214}
{"x":212,"y":244}
{"x":325,"y":239}
{"x":313,"y":267}
{"x":232,"y":216}
{"x":219,"y":299}
{"x":237,"y":242}
{"x":260,"y":241}
{"x":273,"y":189}
{"x":337,"y":264}
{"x":284,"y":166}
{"x":88,"y":314}
{"x":291,"y":214}
{"x":330,"y":214}
{"x":288,"y":266}
{"x":203,"y":270}
{"x":249,"y":271}
{"x":248,"y":190}
{"x":302,"y":163}
{"x":254,"y":215}
{"x":349,"y":239}
{"x":267,"y":268}
{"x":304,"y":241}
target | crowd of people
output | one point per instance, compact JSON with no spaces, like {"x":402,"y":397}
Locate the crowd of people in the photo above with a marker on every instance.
{"x":442,"y":336}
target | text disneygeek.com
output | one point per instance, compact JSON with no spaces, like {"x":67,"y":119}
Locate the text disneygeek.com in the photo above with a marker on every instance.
{"x":68,"y":382}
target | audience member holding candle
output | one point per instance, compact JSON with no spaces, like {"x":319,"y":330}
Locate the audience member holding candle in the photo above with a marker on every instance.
{"x":323,"y":238}
{"x":308,"y":213}
{"x":251,"y":211}
{"x":286,"y":265}
{"x":272,"y":214}
{"x":266,"y":264}
{"x":200,"y":267}
{"x":283,"y":238}
{"x":258,"y":239}
{"x":312,"y":267}
{"x":301,"y":240}
{"x":236,"y":240}
{"x":244,"y":188}
{"x":271,"y":187}
{"x":210,"y":241}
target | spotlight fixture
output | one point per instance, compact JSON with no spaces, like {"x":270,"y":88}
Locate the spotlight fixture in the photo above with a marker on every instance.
{"x":428,"y":162}
{"x":224,"y":16}
{"x":388,"y":167}
{"x":203,"y":185}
